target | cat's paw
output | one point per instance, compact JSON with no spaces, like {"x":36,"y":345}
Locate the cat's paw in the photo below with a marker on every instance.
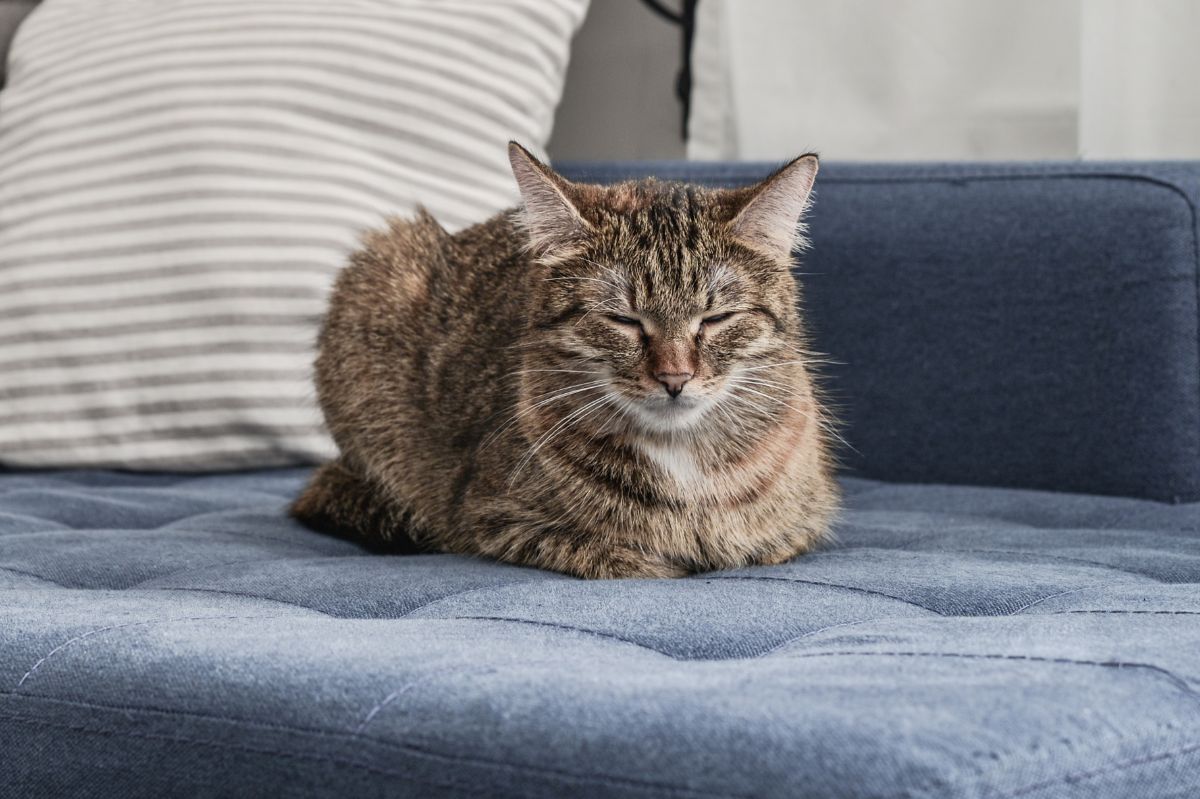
{"x":626,"y":563}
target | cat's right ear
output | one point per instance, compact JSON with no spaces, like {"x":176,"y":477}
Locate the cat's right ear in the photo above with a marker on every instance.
{"x":548,"y":214}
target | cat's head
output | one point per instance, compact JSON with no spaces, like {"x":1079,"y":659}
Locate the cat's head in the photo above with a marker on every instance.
{"x":671,"y":300}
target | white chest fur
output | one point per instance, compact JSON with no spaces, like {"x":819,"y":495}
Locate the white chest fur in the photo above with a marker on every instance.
{"x":677,"y":461}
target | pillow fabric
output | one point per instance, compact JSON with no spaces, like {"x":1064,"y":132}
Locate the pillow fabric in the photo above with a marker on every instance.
{"x":180,"y":180}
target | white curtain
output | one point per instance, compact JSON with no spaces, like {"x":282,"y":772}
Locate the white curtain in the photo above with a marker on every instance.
{"x":946,"y":79}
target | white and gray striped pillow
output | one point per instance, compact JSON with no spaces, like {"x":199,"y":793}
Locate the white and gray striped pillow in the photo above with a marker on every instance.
{"x":181,"y":179}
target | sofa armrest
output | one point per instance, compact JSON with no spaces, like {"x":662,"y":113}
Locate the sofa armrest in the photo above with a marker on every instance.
{"x":1025,"y":325}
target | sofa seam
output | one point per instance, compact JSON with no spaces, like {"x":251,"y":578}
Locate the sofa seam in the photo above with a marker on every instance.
{"x":1079,"y":776}
{"x":768,"y":578}
{"x":413,"y":749}
{"x":1125,"y":612}
{"x":1066,"y":592}
{"x":570,"y":628}
{"x":223,"y":745}
{"x":476,"y":589}
{"x":144,"y":585}
{"x":793,"y":639}
{"x":1175,"y":679}
{"x":34,"y":576}
{"x":226,"y":592}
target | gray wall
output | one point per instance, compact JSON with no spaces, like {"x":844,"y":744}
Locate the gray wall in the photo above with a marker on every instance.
{"x":620,"y":100}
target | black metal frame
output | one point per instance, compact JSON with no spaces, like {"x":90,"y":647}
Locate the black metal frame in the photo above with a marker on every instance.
{"x":685,"y":18}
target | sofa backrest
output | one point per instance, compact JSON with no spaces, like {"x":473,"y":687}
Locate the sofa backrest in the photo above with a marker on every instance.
{"x":1024,"y":325}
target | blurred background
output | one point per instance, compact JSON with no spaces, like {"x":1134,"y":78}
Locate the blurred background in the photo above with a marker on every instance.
{"x":884,"y":79}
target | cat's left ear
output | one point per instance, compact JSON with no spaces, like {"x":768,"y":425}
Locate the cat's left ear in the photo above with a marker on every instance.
{"x":549,"y":214}
{"x":770,"y":219}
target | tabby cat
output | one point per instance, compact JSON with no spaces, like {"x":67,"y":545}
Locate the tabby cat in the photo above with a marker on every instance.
{"x":610,"y":381}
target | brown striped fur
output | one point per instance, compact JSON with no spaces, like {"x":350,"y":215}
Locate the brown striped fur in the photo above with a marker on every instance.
{"x":505,"y":391}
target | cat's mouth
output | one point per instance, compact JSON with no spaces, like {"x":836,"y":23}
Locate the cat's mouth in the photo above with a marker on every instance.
{"x":663,"y":414}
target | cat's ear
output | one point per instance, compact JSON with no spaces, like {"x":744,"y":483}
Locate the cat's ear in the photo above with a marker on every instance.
{"x":548,"y":213}
{"x":770,"y":218}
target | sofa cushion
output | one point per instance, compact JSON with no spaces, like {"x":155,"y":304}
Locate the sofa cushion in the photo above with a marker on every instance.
{"x":179,"y":635}
{"x":1026,"y":325}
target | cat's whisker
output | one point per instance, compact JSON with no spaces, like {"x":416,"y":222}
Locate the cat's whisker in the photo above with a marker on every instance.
{"x":758,"y":381}
{"x":597,"y":305}
{"x":558,"y":427}
{"x":769,"y":366}
{"x":608,"y":420}
{"x":820,"y":421}
{"x":559,"y":394}
{"x":519,"y":372}
{"x":723,"y":407}
{"x":811,"y":357}
{"x":565,"y":392}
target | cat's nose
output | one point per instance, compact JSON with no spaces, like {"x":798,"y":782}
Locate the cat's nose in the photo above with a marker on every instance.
{"x":673,"y":382}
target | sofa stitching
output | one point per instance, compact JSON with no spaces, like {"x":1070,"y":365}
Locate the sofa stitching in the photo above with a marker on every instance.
{"x":1024,"y":608}
{"x":9,"y":515}
{"x":110,"y":627}
{"x":1049,"y":556}
{"x":1079,"y":776}
{"x":168,"y":527}
{"x":1176,"y":680}
{"x":1130,"y":612}
{"x":226,"y":592}
{"x":226,"y":745}
{"x":606,"y":779}
{"x":276,"y":558}
{"x":558,"y":626}
{"x":476,"y":589}
{"x":830,"y":585}
{"x":811,"y":633}
{"x":142,"y":584}
{"x":793,"y":639}
{"x":166,"y":711}
{"x":249,"y":537}
{"x":35,"y":576}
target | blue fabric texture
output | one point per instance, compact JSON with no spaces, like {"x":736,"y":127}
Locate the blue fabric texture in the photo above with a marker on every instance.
{"x":165,"y":635}
{"x":1024,"y":325}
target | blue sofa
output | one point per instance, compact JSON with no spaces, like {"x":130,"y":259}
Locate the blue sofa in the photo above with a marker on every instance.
{"x":1012,"y":609}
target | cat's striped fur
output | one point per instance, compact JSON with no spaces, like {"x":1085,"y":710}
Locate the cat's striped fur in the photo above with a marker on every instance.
{"x":610,"y":382}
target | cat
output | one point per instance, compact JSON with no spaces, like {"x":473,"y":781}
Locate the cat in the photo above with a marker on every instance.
{"x":609,"y":381}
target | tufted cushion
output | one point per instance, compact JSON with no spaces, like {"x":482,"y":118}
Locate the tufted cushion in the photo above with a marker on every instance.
{"x":1022,"y":325}
{"x":163,"y":635}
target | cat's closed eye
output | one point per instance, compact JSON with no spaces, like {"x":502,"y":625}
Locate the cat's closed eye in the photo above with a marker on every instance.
{"x":717,"y":319}
{"x":625,"y":321}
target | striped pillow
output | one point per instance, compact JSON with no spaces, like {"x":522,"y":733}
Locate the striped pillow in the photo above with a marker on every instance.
{"x":180,"y":180}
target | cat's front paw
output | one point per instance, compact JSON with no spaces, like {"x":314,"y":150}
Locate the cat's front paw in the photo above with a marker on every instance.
{"x":621,"y":563}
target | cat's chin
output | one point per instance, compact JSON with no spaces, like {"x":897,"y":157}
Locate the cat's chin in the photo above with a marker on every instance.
{"x":668,"y":416}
